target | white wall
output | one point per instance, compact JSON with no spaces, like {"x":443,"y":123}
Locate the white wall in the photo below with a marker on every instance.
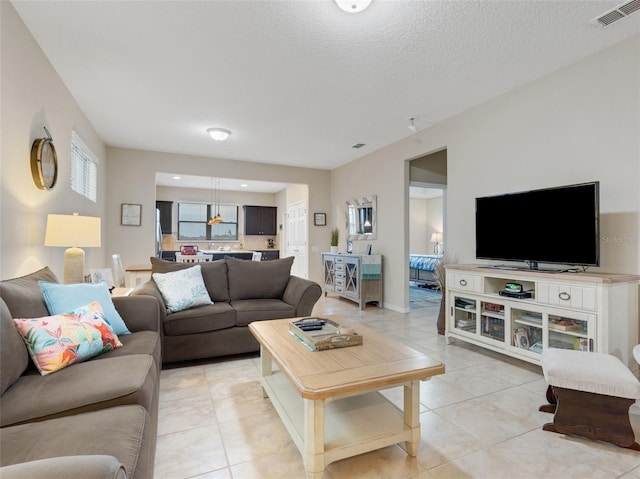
{"x":131,"y":179}
{"x":240,"y":198}
{"x":425,"y":218}
{"x":578,"y":124}
{"x":418,"y":236}
{"x":33,"y":96}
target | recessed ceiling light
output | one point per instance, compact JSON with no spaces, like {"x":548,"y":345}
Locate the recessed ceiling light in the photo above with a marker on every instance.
{"x":353,"y":6}
{"x":244,"y":185}
{"x":177,"y":177}
{"x":219,"y":134}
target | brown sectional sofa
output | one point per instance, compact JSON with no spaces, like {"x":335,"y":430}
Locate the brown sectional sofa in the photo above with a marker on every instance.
{"x":242,"y":291}
{"x":95,"y":419}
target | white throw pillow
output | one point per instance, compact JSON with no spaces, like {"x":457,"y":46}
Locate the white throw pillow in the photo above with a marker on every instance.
{"x":183,"y":289}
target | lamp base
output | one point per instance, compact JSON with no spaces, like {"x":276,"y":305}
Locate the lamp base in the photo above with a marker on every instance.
{"x":73,"y":265}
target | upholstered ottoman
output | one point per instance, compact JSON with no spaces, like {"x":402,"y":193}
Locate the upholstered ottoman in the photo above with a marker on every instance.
{"x":590,"y":395}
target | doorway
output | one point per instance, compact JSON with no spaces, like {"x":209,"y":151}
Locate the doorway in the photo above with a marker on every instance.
{"x":426,"y":244}
{"x":296,"y":238}
{"x":427,"y":227}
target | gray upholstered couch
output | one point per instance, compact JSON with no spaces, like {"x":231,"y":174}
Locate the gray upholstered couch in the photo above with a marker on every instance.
{"x":95,"y":419}
{"x":242,"y":291}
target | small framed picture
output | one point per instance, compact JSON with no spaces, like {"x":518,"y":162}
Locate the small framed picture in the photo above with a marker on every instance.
{"x":131,"y":214}
{"x":320,"y":219}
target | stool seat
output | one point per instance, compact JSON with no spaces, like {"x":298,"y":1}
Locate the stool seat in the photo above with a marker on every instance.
{"x":590,"y":395}
{"x":597,"y":373}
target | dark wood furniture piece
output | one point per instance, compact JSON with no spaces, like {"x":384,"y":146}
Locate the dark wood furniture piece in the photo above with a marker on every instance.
{"x":166,"y":215}
{"x":269,"y":254}
{"x":590,"y":395}
{"x":260,"y":220}
{"x":590,"y":415}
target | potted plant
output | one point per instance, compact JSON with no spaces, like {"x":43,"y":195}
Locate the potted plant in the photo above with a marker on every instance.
{"x":335,"y":236}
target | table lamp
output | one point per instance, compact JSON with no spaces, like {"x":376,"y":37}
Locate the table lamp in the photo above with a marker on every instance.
{"x":436,"y":238}
{"x":73,"y":232}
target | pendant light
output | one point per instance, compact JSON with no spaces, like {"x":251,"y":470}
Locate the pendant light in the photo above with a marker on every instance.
{"x":217,"y":218}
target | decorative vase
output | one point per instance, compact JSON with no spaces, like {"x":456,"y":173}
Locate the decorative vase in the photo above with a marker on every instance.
{"x":334,"y":249}
{"x":440,"y":324}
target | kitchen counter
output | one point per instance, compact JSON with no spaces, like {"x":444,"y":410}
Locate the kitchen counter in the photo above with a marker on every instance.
{"x":221,"y":251}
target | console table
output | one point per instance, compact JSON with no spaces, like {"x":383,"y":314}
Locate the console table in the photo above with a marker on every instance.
{"x":357,"y":277}
{"x":579,"y":311}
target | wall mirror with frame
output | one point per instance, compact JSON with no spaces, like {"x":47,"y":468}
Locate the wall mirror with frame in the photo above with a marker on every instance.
{"x":361,"y":218}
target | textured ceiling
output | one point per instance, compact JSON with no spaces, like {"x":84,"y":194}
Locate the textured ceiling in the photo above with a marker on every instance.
{"x":300,"y":82}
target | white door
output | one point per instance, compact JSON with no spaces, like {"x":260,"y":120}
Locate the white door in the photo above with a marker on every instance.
{"x":297,"y":238}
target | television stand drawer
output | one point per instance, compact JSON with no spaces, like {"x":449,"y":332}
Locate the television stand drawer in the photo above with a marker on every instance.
{"x":559,"y":294}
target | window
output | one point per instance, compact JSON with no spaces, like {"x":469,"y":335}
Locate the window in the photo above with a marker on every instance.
{"x":193,"y":217}
{"x":84,"y":169}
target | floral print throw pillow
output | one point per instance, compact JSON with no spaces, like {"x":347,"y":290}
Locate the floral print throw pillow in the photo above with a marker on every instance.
{"x":55,"y":342}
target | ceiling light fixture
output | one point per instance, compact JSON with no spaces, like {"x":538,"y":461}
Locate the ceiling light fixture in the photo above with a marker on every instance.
{"x":353,"y":6}
{"x":412,"y":127}
{"x":219,"y":134}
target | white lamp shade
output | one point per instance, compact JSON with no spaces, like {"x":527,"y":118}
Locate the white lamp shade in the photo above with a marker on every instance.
{"x":73,"y":230}
{"x":436,"y":237}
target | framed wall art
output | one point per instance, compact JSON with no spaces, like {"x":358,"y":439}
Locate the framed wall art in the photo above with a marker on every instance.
{"x":131,"y":214}
{"x":320,"y":219}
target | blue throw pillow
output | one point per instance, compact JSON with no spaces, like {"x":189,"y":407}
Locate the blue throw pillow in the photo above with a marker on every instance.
{"x":62,"y":298}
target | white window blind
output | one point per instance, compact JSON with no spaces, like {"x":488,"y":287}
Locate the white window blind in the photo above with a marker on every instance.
{"x":84,"y":169}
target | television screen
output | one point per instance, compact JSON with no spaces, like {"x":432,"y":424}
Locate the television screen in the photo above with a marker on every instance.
{"x":551,"y":225}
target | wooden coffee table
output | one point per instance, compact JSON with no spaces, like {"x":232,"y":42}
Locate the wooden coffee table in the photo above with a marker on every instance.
{"x":329,"y":400}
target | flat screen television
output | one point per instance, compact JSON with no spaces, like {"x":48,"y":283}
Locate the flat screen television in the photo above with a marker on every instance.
{"x":557,"y":225}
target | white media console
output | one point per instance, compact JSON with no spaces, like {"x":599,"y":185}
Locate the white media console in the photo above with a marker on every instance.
{"x":588,"y":311}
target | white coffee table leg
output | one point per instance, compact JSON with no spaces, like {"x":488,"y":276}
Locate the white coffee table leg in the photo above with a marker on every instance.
{"x":314,"y":438}
{"x":265,"y":366}
{"x":412,"y":416}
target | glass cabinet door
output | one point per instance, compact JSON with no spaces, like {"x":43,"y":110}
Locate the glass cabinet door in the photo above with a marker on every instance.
{"x":351,"y":275}
{"x":329,"y":271}
{"x":492,"y":320}
{"x":465,"y":314}
{"x":527,"y":327}
{"x":569,"y":333}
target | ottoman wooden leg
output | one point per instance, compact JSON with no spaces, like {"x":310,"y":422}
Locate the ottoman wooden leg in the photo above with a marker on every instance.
{"x":594,"y":416}
{"x":551,"y":399}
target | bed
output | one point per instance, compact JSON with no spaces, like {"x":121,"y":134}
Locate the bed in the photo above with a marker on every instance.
{"x":422,"y":269}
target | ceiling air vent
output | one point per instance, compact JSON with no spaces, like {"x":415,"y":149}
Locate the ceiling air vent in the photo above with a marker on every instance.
{"x":358,"y":145}
{"x":618,"y":13}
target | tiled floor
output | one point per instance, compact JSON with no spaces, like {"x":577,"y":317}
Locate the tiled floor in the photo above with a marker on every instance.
{"x":480,"y":419}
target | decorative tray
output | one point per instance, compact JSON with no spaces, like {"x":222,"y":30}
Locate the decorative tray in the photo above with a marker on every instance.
{"x":328,"y":337}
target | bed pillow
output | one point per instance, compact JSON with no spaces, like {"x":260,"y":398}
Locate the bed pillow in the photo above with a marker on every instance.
{"x":55,"y":342}
{"x":61,"y":298}
{"x":183,"y":289}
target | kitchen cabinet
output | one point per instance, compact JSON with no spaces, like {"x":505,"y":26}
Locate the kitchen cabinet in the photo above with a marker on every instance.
{"x":260,"y":220}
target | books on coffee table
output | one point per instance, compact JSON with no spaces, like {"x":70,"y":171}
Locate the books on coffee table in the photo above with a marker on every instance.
{"x":329,"y":334}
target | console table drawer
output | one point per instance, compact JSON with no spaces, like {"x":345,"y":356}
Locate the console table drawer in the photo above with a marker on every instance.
{"x":466,"y":282}
{"x":559,"y":294}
